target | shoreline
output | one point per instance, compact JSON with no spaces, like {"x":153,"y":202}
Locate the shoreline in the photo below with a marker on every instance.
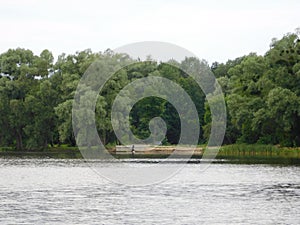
{"x":237,"y":153}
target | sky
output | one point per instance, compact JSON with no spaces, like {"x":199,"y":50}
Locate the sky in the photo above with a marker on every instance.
{"x":213,"y":30}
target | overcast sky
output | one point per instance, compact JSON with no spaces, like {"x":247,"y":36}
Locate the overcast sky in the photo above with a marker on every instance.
{"x":213,"y":30}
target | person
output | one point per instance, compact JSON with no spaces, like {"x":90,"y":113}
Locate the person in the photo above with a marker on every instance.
{"x":132,"y":150}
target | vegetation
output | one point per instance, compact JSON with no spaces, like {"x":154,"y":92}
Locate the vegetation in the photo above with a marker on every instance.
{"x":262,"y":94}
{"x":259,"y":153}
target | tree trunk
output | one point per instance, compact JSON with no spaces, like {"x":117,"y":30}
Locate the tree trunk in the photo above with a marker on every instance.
{"x":19,"y":140}
{"x":45,"y":143}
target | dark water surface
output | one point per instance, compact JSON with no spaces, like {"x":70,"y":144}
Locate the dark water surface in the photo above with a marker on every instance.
{"x":50,"y":191}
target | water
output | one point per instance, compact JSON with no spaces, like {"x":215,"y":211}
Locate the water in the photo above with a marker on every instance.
{"x":45,"y":191}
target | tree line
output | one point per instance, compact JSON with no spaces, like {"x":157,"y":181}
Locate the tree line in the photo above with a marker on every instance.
{"x":262,"y":95}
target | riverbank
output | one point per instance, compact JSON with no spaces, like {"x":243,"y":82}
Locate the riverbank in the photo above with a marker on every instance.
{"x":236,"y":153}
{"x":55,"y":152}
{"x":259,"y":154}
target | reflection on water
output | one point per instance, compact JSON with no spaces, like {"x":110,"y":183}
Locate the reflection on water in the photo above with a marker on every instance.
{"x":49,"y":191}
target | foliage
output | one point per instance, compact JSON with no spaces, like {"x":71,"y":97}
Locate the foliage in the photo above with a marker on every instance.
{"x":262,"y":95}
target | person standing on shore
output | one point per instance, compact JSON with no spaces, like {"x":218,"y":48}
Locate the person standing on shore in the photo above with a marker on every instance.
{"x":132,"y":150}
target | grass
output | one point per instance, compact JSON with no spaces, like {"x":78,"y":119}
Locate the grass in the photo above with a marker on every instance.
{"x":256,"y":153}
{"x":256,"y":149}
{"x":61,"y":152}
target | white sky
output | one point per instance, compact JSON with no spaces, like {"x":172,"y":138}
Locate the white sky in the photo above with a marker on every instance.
{"x":213,"y":30}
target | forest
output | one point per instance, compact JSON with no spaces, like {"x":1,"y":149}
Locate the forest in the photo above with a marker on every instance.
{"x":262,"y":95}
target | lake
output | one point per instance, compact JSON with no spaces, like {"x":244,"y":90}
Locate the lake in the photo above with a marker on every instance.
{"x":53,"y":191}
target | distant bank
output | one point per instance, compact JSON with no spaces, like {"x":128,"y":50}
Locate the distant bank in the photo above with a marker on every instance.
{"x":236,"y":153}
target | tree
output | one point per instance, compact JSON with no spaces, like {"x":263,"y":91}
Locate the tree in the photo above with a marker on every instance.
{"x":64,"y":113}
